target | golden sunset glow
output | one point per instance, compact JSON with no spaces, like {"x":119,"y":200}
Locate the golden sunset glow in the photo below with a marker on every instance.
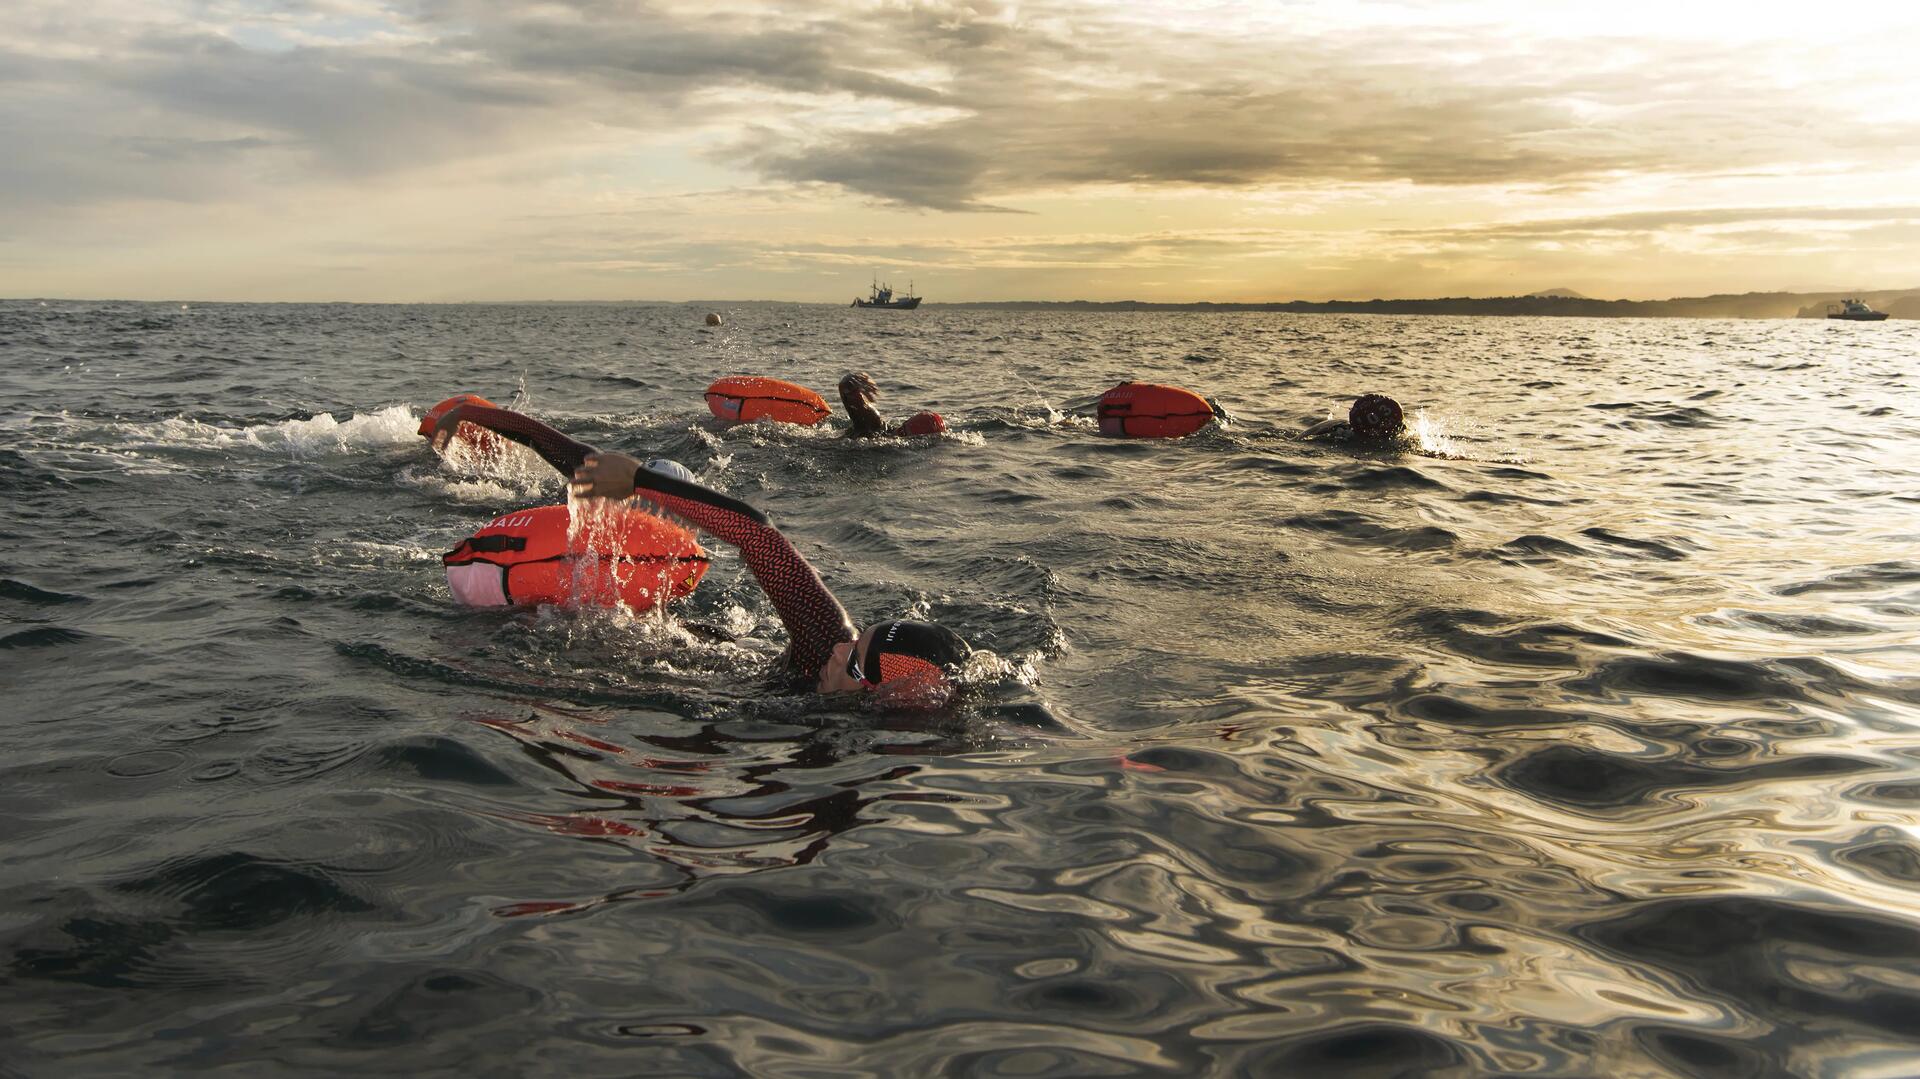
{"x":472,"y":150}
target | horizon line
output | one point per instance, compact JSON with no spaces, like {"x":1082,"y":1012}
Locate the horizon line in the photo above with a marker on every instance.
{"x":1531,"y":296}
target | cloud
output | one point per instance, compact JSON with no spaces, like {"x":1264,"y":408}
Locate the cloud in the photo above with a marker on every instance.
{"x":658,"y":56}
{"x":1300,"y":110}
{"x":947,"y":107}
{"x":1650,"y":221}
{"x":767,"y":138}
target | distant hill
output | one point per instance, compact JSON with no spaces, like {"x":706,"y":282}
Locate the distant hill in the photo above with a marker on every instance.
{"x":1560,"y":293}
{"x":1898,"y":303}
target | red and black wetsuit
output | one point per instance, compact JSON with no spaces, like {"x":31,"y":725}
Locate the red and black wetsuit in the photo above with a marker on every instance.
{"x":815,"y":620}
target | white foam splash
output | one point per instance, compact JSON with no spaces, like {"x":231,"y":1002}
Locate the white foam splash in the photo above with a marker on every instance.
{"x":491,"y":493}
{"x":504,"y":464}
{"x":395,"y":425}
{"x":1040,"y":414}
{"x":1431,"y":437}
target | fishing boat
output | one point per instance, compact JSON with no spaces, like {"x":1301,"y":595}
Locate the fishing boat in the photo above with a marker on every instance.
{"x":883,"y":297}
{"x":1854,"y":311}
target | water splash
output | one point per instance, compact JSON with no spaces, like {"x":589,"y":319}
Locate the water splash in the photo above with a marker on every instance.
{"x":1431,"y":437}
{"x":318,"y":436}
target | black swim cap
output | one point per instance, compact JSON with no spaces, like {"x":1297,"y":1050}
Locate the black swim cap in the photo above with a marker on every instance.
{"x":902,"y":649}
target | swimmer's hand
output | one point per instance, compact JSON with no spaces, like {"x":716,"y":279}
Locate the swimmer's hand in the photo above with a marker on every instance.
{"x":444,"y":427}
{"x":604,"y":475}
{"x":857,"y":392}
{"x":858,"y":385}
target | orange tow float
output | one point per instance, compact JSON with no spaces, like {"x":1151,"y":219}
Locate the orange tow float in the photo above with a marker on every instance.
{"x":746,"y":398}
{"x":615,"y":555}
{"x":1149,"y":410}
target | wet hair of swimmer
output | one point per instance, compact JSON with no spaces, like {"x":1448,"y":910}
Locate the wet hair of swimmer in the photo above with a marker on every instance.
{"x":1375,"y":415}
{"x":907,"y":650}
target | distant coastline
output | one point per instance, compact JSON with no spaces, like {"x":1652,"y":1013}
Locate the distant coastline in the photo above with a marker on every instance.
{"x":1898,"y":303}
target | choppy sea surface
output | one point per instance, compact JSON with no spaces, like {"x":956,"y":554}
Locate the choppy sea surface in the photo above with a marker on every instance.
{"x":1580,"y":736}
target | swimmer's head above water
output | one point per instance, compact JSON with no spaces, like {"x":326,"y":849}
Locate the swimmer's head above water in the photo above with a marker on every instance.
{"x":1376,"y":416}
{"x":895,"y":657}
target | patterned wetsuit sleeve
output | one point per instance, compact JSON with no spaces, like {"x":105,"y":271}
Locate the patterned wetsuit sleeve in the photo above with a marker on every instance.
{"x":814,"y":619}
{"x":553,"y":447}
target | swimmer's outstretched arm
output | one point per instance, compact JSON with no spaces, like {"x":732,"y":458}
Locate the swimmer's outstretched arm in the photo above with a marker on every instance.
{"x":1323,"y":429}
{"x":857,"y":392}
{"x":814,"y":619}
{"x":563,"y":453}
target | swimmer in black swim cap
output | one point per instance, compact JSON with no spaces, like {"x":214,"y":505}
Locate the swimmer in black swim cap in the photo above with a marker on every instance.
{"x":911,"y":665}
{"x":857,"y":394}
{"x":894,"y":652}
{"x":1374,"y":418}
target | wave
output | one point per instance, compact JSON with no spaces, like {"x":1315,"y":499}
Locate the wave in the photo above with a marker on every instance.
{"x":395,"y":425}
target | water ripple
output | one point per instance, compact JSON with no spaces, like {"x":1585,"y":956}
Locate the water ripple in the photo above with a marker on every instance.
{"x":1576,"y":736}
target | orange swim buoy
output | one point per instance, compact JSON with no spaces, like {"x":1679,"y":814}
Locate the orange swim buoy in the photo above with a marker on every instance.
{"x":1149,"y":410}
{"x":746,"y":398}
{"x":474,"y":438}
{"x":617,"y":555}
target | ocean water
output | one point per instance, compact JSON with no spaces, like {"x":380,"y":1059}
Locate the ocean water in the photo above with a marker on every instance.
{"x":1582,"y":736}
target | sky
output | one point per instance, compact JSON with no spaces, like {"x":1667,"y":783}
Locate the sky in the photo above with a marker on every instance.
{"x":471,"y":150}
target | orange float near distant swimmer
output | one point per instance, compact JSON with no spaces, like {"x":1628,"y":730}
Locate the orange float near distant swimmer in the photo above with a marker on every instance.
{"x":1148,"y":410}
{"x":616,"y":555}
{"x":474,"y":438}
{"x":746,"y":398}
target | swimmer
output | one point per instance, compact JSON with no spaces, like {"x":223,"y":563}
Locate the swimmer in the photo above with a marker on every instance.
{"x":1374,"y":418}
{"x":905,"y":664}
{"x":857,"y":392}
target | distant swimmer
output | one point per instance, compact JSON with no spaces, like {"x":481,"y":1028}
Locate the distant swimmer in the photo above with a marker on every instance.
{"x":1374,"y":419}
{"x":857,"y":393}
{"x":905,"y":664}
